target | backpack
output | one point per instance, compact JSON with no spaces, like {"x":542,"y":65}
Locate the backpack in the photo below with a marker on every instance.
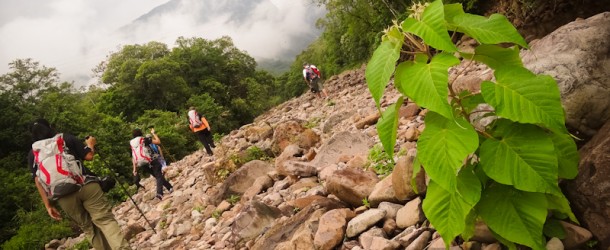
{"x":59,"y":172}
{"x":194,"y":119}
{"x":311,"y":74}
{"x":141,"y":153}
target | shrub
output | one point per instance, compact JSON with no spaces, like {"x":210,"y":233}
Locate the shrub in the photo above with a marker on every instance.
{"x":505,"y":174}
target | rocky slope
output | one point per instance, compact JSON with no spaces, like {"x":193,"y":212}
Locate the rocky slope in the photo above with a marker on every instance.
{"x":307,"y":186}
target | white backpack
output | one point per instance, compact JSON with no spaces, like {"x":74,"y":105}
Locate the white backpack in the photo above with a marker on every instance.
{"x":140,"y":153}
{"x":194,"y":119}
{"x":59,"y":172}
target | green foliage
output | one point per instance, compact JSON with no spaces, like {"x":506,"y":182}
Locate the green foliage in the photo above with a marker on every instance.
{"x":233,"y":199}
{"x":255,"y":153}
{"x":83,"y":245}
{"x":216,"y":214}
{"x":312,"y":123}
{"x":381,"y":162}
{"x":365,"y":202}
{"x":505,"y":174}
{"x":36,"y":229}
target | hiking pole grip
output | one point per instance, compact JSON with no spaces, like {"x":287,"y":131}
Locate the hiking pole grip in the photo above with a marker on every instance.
{"x":105,"y":163}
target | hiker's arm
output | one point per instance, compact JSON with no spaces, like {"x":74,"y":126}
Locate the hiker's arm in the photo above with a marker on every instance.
{"x":135,"y":167}
{"x":155,"y":139}
{"x":51,"y":210}
{"x":90,"y":141}
{"x":205,"y":122}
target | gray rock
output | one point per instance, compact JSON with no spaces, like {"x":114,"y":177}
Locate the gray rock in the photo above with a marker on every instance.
{"x":576,"y":55}
{"x":364,"y":221}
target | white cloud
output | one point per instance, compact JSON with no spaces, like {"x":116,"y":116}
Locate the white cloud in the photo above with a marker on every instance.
{"x":76,"y":35}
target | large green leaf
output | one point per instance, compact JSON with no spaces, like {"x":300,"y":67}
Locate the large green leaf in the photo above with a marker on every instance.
{"x":521,"y":155}
{"x":443,"y":147}
{"x":521,"y":96}
{"x":448,"y":210}
{"x":471,"y":102}
{"x":567,"y":155}
{"x":380,"y":67}
{"x":452,"y":10}
{"x":426,"y":83}
{"x":515,"y":215}
{"x":431,"y":28}
{"x":553,"y":228}
{"x":493,"y":30}
{"x":495,"y":56}
{"x":559,"y":203}
{"x":387,"y":127}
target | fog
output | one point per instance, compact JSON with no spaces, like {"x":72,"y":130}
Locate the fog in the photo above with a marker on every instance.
{"x":76,"y":35}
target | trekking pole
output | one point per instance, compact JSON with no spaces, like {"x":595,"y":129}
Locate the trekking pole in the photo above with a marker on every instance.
{"x":166,"y":152}
{"x":125,"y":190}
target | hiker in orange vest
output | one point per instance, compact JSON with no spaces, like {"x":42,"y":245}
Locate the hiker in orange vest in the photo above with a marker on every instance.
{"x":200,"y":126}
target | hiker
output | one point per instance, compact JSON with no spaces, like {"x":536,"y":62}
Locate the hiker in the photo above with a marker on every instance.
{"x":156,"y":149}
{"x":200,"y":126}
{"x":143,"y":158}
{"x":313,"y":78}
{"x":74,"y":188}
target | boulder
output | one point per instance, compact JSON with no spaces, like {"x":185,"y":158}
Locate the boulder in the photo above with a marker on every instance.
{"x":340,"y":144}
{"x":242,"y":179}
{"x":351,"y":185}
{"x":331,"y":229}
{"x":577,"y":55}
{"x":254,"y":219}
{"x":588,"y":192}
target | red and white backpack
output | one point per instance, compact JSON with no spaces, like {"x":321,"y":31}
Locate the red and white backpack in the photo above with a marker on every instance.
{"x":59,"y":172}
{"x":140,"y":153}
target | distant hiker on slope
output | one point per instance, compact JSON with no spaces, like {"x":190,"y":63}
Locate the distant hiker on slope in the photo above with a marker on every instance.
{"x":57,"y":170}
{"x":143,"y":157}
{"x":200,"y":126}
{"x":313,"y":78}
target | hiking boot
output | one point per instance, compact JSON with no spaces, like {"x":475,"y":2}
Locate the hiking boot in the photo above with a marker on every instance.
{"x":159,"y":196}
{"x":171,"y":190}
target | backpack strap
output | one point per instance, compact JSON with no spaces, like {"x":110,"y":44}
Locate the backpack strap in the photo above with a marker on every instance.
{"x":142,"y":150}
{"x":41,"y":168}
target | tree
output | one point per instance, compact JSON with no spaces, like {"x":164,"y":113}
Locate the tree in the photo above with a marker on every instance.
{"x":27,"y":78}
{"x":142,"y":77}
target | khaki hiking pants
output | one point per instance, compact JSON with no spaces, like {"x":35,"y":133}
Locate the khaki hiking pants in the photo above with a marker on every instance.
{"x":92,"y":213}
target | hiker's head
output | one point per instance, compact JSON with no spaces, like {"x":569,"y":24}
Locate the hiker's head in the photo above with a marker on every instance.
{"x":192,"y":108}
{"x":136,"y":132}
{"x":305,"y":65}
{"x":41,"y":129}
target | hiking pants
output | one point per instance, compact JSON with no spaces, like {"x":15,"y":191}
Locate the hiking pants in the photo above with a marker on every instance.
{"x":205,"y":137}
{"x":92,"y":213}
{"x":155,"y":167}
{"x":155,"y":170}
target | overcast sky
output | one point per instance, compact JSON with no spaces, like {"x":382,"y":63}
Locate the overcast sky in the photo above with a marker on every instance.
{"x":75,"y":35}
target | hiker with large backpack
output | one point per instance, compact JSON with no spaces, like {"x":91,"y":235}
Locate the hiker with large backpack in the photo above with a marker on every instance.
{"x":56,"y":165}
{"x":200,"y":126}
{"x":143,"y":157}
{"x":313,"y":78}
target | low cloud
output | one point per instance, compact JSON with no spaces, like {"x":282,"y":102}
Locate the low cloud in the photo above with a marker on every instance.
{"x":75,"y":35}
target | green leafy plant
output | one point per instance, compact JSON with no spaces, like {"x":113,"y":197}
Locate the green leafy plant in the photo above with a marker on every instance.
{"x":198,"y":208}
{"x":504,"y":174}
{"x":366,"y":203}
{"x":83,"y":245}
{"x":216,"y":214}
{"x":223,"y":173}
{"x":313,"y":122}
{"x":255,"y":153}
{"x":380,"y":161}
{"x":233,"y":199}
